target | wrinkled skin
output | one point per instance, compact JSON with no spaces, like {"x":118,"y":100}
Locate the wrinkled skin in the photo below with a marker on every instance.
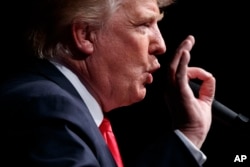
{"x":121,"y":58}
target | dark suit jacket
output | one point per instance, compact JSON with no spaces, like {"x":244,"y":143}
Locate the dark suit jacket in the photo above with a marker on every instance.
{"x":45,"y":123}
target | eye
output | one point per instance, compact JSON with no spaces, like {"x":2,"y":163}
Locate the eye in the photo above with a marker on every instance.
{"x":146,"y":24}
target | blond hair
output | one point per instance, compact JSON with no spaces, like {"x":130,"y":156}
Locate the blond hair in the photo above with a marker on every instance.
{"x":50,"y":35}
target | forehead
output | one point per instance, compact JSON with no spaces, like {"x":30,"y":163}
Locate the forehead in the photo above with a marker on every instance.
{"x":139,"y":7}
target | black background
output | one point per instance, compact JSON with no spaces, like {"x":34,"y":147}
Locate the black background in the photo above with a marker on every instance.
{"x":221,"y":31}
{"x":222,"y":34}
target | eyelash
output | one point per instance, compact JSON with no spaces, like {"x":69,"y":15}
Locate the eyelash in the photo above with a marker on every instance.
{"x":142,"y":28}
{"x":146,"y":24}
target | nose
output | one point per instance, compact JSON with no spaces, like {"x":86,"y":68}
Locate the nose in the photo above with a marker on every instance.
{"x":157,"y":44}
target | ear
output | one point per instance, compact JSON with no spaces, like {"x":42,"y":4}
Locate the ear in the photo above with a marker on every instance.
{"x":81,"y":34}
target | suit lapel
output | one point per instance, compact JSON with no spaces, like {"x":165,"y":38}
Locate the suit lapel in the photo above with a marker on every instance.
{"x":49,"y":71}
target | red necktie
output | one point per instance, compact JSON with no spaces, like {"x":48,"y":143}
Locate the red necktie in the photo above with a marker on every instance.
{"x":109,"y":137}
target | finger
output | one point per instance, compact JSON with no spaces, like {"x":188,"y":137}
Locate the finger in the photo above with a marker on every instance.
{"x":187,"y":45}
{"x":181,"y":72}
{"x":207,"y":88}
{"x":190,"y":39}
{"x":182,"y":79}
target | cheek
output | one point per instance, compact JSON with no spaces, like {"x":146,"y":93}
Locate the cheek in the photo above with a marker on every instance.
{"x":126,"y":58}
{"x":127,"y":80}
{"x":133,"y":54}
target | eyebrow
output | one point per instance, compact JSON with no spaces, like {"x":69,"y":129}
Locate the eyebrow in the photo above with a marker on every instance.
{"x":148,"y":15}
{"x":151,"y":16}
{"x":160,"y":16}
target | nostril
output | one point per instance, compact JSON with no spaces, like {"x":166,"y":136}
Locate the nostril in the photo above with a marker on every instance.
{"x":157,"y":47}
{"x":158,"y":50}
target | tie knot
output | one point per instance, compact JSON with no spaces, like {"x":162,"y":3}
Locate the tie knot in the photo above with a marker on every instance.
{"x":109,"y":138}
{"x":105,"y":126}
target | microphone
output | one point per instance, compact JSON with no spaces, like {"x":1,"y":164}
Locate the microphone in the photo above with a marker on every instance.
{"x":222,"y":113}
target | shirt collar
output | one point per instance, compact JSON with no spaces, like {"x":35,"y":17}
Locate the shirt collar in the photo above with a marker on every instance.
{"x":90,"y":101}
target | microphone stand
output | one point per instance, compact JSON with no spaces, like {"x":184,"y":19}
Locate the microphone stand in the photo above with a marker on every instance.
{"x":223,"y":114}
{"x":232,"y":119}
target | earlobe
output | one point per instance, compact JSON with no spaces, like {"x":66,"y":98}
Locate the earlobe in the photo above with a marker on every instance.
{"x":81,"y":35}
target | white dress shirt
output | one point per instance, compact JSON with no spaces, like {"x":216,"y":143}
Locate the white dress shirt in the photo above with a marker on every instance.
{"x":97,"y":114}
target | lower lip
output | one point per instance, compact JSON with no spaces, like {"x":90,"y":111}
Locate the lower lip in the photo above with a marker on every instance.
{"x":149,"y":78}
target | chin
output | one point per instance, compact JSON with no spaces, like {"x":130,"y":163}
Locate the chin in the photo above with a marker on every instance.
{"x":141,"y":95}
{"x":135,"y":95}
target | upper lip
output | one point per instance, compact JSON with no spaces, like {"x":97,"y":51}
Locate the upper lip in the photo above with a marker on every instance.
{"x":152,"y":70}
{"x":154,"y":65}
